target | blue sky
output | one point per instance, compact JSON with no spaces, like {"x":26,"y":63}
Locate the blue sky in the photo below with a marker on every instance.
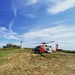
{"x":37,"y":21}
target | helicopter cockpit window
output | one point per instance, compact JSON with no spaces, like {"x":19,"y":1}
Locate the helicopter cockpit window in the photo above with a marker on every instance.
{"x":47,"y":49}
{"x":38,"y":47}
{"x":45,"y":45}
{"x":50,"y":46}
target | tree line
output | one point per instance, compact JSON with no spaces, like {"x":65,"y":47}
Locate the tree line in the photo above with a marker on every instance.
{"x":10,"y":45}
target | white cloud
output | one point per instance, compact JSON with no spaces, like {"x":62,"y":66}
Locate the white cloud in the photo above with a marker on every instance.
{"x":52,"y":6}
{"x":3,"y":44}
{"x":8,"y":33}
{"x":15,"y":12}
{"x":72,"y":41}
{"x":11,"y":32}
{"x":60,"y":6}
{"x":11,"y":37}
{"x":30,"y":2}
{"x":30,"y":15}
{"x":3,"y":29}
{"x":34,"y":1}
{"x":51,"y":33}
{"x":21,"y":5}
{"x":59,"y":34}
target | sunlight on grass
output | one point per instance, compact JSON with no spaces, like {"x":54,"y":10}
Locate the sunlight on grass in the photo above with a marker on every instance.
{"x":7,"y":51}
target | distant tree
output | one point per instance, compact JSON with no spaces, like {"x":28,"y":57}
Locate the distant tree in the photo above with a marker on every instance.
{"x":14,"y":46}
{"x":10,"y":45}
{"x":4,"y":47}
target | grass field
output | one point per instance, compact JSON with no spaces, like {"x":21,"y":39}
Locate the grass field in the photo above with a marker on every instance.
{"x":25,"y":62}
{"x":9,"y":51}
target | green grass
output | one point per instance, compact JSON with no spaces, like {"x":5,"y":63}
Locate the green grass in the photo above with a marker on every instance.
{"x":3,"y":54}
{"x":65,"y":51}
{"x":6,"y":51}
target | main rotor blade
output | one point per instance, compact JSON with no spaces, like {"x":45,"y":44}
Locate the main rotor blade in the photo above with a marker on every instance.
{"x":62,"y":42}
{"x":43,"y":42}
{"x":51,"y":42}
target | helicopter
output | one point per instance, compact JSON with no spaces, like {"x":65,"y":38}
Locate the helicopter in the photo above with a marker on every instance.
{"x":43,"y":48}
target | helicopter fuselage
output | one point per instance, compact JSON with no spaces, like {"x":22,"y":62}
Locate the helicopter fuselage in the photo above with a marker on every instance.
{"x":43,"y":49}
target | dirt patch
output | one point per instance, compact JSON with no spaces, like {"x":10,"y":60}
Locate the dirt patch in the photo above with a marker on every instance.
{"x":35,"y":64}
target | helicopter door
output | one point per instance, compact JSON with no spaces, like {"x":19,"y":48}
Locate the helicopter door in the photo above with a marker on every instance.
{"x":48,"y":49}
{"x":42,"y":49}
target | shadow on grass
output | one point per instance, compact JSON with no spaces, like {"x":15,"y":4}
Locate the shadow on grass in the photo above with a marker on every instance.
{"x":42,"y":55}
{"x":48,"y":55}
